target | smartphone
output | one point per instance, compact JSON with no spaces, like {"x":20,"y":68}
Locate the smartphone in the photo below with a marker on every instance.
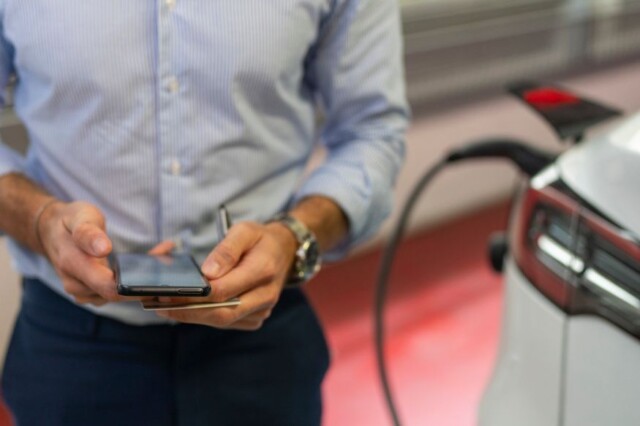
{"x":167,"y":275}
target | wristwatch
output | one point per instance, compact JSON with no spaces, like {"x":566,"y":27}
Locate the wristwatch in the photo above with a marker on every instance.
{"x":307,"y":262}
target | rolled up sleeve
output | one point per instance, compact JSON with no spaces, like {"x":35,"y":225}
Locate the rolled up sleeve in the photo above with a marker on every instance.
{"x":356,"y":70}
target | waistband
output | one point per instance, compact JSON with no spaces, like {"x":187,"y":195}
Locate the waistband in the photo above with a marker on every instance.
{"x":45,"y":307}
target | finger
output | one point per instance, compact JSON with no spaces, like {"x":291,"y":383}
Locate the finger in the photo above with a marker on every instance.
{"x":164,"y":247}
{"x":213,"y":317}
{"x":258,"y":316}
{"x":76,"y":288}
{"x":227,"y":254}
{"x":248,"y":275}
{"x":250,"y":323}
{"x":90,"y":272}
{"x":87,"y":228}
{"x":253,"y":281}
{"x":246,"y":325}
{"x":256,"y":269}
{"x":91,"y":239}
{"x":258,"y":300}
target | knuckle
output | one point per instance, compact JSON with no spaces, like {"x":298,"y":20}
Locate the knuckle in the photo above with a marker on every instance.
{"x":227,"y":318}
{"x":104,"y":277}
{"x":225,"y":324}
{"x":176,"y":315}
{"x":69,"y":286}
{"x":245,"y":227}
{"x":82,"y":212}
{"x":219,"y":295}
{"x":94,"y":210}
{"x":65,"y":261}
{"x":271,"y":298}
{"x":79,"y":204}
{"x":89,"y":208}
{"x":83,"y":230}
{"x":74,"y":206}
{"x":107,"y":292}
{"x":226,"y":254}
{"x":110,"y":293}
{"x":269,"y":270}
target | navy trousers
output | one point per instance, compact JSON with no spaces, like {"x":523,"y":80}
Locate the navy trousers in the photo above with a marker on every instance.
{"x":67,"y":366}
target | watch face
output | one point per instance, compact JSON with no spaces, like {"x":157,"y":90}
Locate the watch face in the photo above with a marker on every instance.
{"x":311,"y":258}
{"x":308,"y":260}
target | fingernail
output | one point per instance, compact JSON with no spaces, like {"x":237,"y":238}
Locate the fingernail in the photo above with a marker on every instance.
{"x":211,"y":269}
{"x":99,"y":246}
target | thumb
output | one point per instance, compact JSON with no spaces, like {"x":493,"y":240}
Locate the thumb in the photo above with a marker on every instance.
{"x":226,"y":255}
{"x":87,"y":228}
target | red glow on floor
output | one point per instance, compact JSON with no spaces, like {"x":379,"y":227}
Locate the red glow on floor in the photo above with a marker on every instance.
{"x":440,"y":352}
{"x":5,"y":419}
{"x":442,"y":328}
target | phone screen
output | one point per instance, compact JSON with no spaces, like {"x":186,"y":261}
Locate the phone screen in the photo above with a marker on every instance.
{"x":143,"y":273}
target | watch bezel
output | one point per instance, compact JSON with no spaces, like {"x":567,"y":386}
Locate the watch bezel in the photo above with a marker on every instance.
{"x":305,"y":266}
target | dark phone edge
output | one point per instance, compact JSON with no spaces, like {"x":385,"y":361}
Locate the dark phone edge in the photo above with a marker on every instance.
{"x":125,"y":290}
{"x":163,"y":291}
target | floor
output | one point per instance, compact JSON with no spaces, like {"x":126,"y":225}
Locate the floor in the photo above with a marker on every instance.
{"x":442,"y":325}
{"x":442,"y":320}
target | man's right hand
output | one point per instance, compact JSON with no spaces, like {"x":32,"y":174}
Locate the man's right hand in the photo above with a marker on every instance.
{"x":74,"y":238}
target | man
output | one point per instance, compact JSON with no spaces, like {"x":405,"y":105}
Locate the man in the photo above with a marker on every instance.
{"x":143,"y":117}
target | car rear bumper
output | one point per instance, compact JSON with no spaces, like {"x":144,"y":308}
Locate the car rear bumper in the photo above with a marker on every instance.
{"x":525,"y":388}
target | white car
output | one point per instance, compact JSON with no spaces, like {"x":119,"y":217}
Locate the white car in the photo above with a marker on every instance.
{"x":570,"y":344}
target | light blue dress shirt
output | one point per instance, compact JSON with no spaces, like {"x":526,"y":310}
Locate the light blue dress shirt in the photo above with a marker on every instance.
{"x":157,"y":111}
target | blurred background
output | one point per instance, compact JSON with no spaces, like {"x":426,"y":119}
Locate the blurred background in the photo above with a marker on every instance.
{"x":444,"y":313}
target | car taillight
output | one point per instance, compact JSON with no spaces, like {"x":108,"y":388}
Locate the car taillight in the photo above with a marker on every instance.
{"x":579,"y":259}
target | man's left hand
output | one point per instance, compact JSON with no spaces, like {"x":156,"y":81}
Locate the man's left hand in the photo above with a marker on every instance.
{"x":252,"y":262}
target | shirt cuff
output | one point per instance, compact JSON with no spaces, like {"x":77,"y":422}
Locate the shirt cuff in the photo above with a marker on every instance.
{"x":366,"y":201}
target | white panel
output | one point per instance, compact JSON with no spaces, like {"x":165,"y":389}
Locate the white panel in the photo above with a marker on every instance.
{"x":525,"y":387}
{"x":605,"y":172}
{"x":603,"y":375}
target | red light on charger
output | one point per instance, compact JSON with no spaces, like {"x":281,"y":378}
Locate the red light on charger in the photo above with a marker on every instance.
{"x":549,"y":97}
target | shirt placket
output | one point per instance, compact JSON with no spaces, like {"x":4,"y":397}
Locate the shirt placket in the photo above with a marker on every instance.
{"x":171,"y":193}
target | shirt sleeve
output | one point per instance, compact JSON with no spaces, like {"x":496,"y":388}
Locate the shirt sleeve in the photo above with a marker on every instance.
{"x":10,"y":160}
{"x":356,"y":70}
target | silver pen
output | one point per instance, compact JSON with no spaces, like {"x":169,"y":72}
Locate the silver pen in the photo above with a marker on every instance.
{"x":224,"y":222}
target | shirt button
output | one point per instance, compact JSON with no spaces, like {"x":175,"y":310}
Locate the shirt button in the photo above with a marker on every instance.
{"x":176,"y":167}
{"x":171,"y":4}
{"x":179,"y":244}
{"x":172,"y":85}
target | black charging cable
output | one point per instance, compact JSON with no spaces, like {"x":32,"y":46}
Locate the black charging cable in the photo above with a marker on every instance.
{"x":528,"y":159}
